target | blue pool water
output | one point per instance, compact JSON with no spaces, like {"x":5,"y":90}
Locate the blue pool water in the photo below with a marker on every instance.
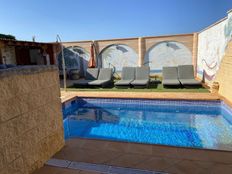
{"x":198,"y":124}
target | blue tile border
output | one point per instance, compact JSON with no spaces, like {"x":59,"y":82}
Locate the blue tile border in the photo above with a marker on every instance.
{"x":128,"y":101}
{"x":72,"y":105}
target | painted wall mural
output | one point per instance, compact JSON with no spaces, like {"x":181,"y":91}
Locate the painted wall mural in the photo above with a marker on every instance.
{"x":117,"y":56}
{"x":168,"y":53}
{"x":212,"y":44}
{"x":75,"y":58}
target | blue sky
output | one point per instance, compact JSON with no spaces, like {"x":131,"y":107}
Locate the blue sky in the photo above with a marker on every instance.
{"x":104,"y":19}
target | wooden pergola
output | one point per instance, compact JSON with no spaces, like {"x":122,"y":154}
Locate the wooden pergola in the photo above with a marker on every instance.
{"x":22,"y":50}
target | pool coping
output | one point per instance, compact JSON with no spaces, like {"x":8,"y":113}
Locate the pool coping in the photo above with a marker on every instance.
{"x":67,"y":96}
{"x":157,"y":145}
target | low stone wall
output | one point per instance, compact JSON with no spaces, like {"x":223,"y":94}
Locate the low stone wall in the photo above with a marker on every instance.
{"x":31,"y":126}
{"x":224,"y":74}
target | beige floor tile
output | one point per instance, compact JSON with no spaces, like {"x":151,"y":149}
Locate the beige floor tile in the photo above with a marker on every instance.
{"x":117,"y":147}
{"x":157,"y":164}
{"x":143,"y":149}
{"x":88,"y":172}
{"x":55,"y":170}
{"x":86,"y":155}
{"x":221,"y":169}
{"x":128,"y":160}
{"x":190,"y":167}
{"x":95,"y":144}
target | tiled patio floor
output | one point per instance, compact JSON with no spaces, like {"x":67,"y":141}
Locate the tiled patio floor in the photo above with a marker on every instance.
{"x":141,"y":156}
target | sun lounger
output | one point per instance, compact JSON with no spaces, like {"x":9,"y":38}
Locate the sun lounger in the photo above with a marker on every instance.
{"x":3,"y":66}
{"x":141,"y":77}
{"x":128,"y":75}
{"x":186,"y":75}
{"x":170,"y":76}
{"x":104,"y":78}
{"x":91,"y":75}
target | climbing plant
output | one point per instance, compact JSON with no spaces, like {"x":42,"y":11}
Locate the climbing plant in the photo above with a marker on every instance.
{"x":7,"y":36}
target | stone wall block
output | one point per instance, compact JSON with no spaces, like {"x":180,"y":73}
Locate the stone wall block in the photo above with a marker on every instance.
{"x":29,"y":139}
{"x":31,"y":126}
{"x":224,"y":74}
{"x":30,"y":157}
{"x":23,"y":84}
{"x":12,"y":150}
{"x":2,"y":160}
{"x":5,"y":171}
{"x":3,"y":109}
{"x":23,"y":103}
{"x":8,"y":131}
{"x":17,"y":167}
{"x":6,"y":89}
{"x":27,"y":122}
{"x":9,"y":109}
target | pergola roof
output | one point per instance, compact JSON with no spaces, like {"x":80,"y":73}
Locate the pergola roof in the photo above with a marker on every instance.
{"x":11,"y":42}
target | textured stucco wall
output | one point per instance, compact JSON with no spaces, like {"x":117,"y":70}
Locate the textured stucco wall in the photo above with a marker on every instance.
{"x":138,"y":51}
{"x":31,"y":126}
{"x":224,"y":74}
{"x":212,"y":43}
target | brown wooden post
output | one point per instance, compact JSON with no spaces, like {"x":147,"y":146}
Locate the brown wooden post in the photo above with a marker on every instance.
{"x":97,"y":51}
{"x":2,"y":45}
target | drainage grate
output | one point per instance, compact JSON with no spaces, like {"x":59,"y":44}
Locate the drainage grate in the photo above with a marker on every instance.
{"x":98,"y":167}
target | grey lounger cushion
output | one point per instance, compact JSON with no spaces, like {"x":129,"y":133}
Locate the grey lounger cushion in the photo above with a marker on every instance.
{"x":104,"y":78}
{"x":190,"y":82}
{"x":170,"y":76}
{"x":91,"y":75}
{"x":99,"y":82}
{"x":186,"y":75}
{"x":140,"y":82}
{"x":128,"y":75}
{"x":141,"y":76}
{"x":82,"y":82}
{"x":123,"y":83}
{"x":3,"y":66}
{"x":171,"y":82}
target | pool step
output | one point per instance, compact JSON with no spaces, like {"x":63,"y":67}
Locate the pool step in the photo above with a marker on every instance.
{"x":97,"y":167}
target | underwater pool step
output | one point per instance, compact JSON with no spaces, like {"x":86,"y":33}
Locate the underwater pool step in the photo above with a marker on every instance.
{"x":101,"y":168}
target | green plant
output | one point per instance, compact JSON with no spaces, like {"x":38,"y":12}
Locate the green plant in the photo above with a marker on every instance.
{"x":7,"y":36}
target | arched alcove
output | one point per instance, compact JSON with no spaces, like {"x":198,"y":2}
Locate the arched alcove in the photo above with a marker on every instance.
{"x":168,"y":53}
{"x":75,"y":58}
{"x":117,"y":56}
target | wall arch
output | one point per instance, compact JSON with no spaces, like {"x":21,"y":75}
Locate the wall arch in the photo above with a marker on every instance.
{"x":75,"y":57}
{"x":117,"y":56}
{"x":167,"y":53}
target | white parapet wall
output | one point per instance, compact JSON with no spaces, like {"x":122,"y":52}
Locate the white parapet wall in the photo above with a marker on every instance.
{"x":31,"y":126}
{"x":212,"y":44}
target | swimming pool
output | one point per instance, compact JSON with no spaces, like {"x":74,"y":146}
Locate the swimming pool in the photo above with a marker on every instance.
{"x":181,"y":123}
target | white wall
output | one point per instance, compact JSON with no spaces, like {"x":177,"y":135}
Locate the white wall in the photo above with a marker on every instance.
{"x":9,"y":53}
{"x":212,"y":44}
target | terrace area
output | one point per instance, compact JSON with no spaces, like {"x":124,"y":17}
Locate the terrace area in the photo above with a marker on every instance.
{"x":51,"y":124}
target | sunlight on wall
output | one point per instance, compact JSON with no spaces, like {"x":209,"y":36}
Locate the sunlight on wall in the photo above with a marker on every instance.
{"x":168,"y":53}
